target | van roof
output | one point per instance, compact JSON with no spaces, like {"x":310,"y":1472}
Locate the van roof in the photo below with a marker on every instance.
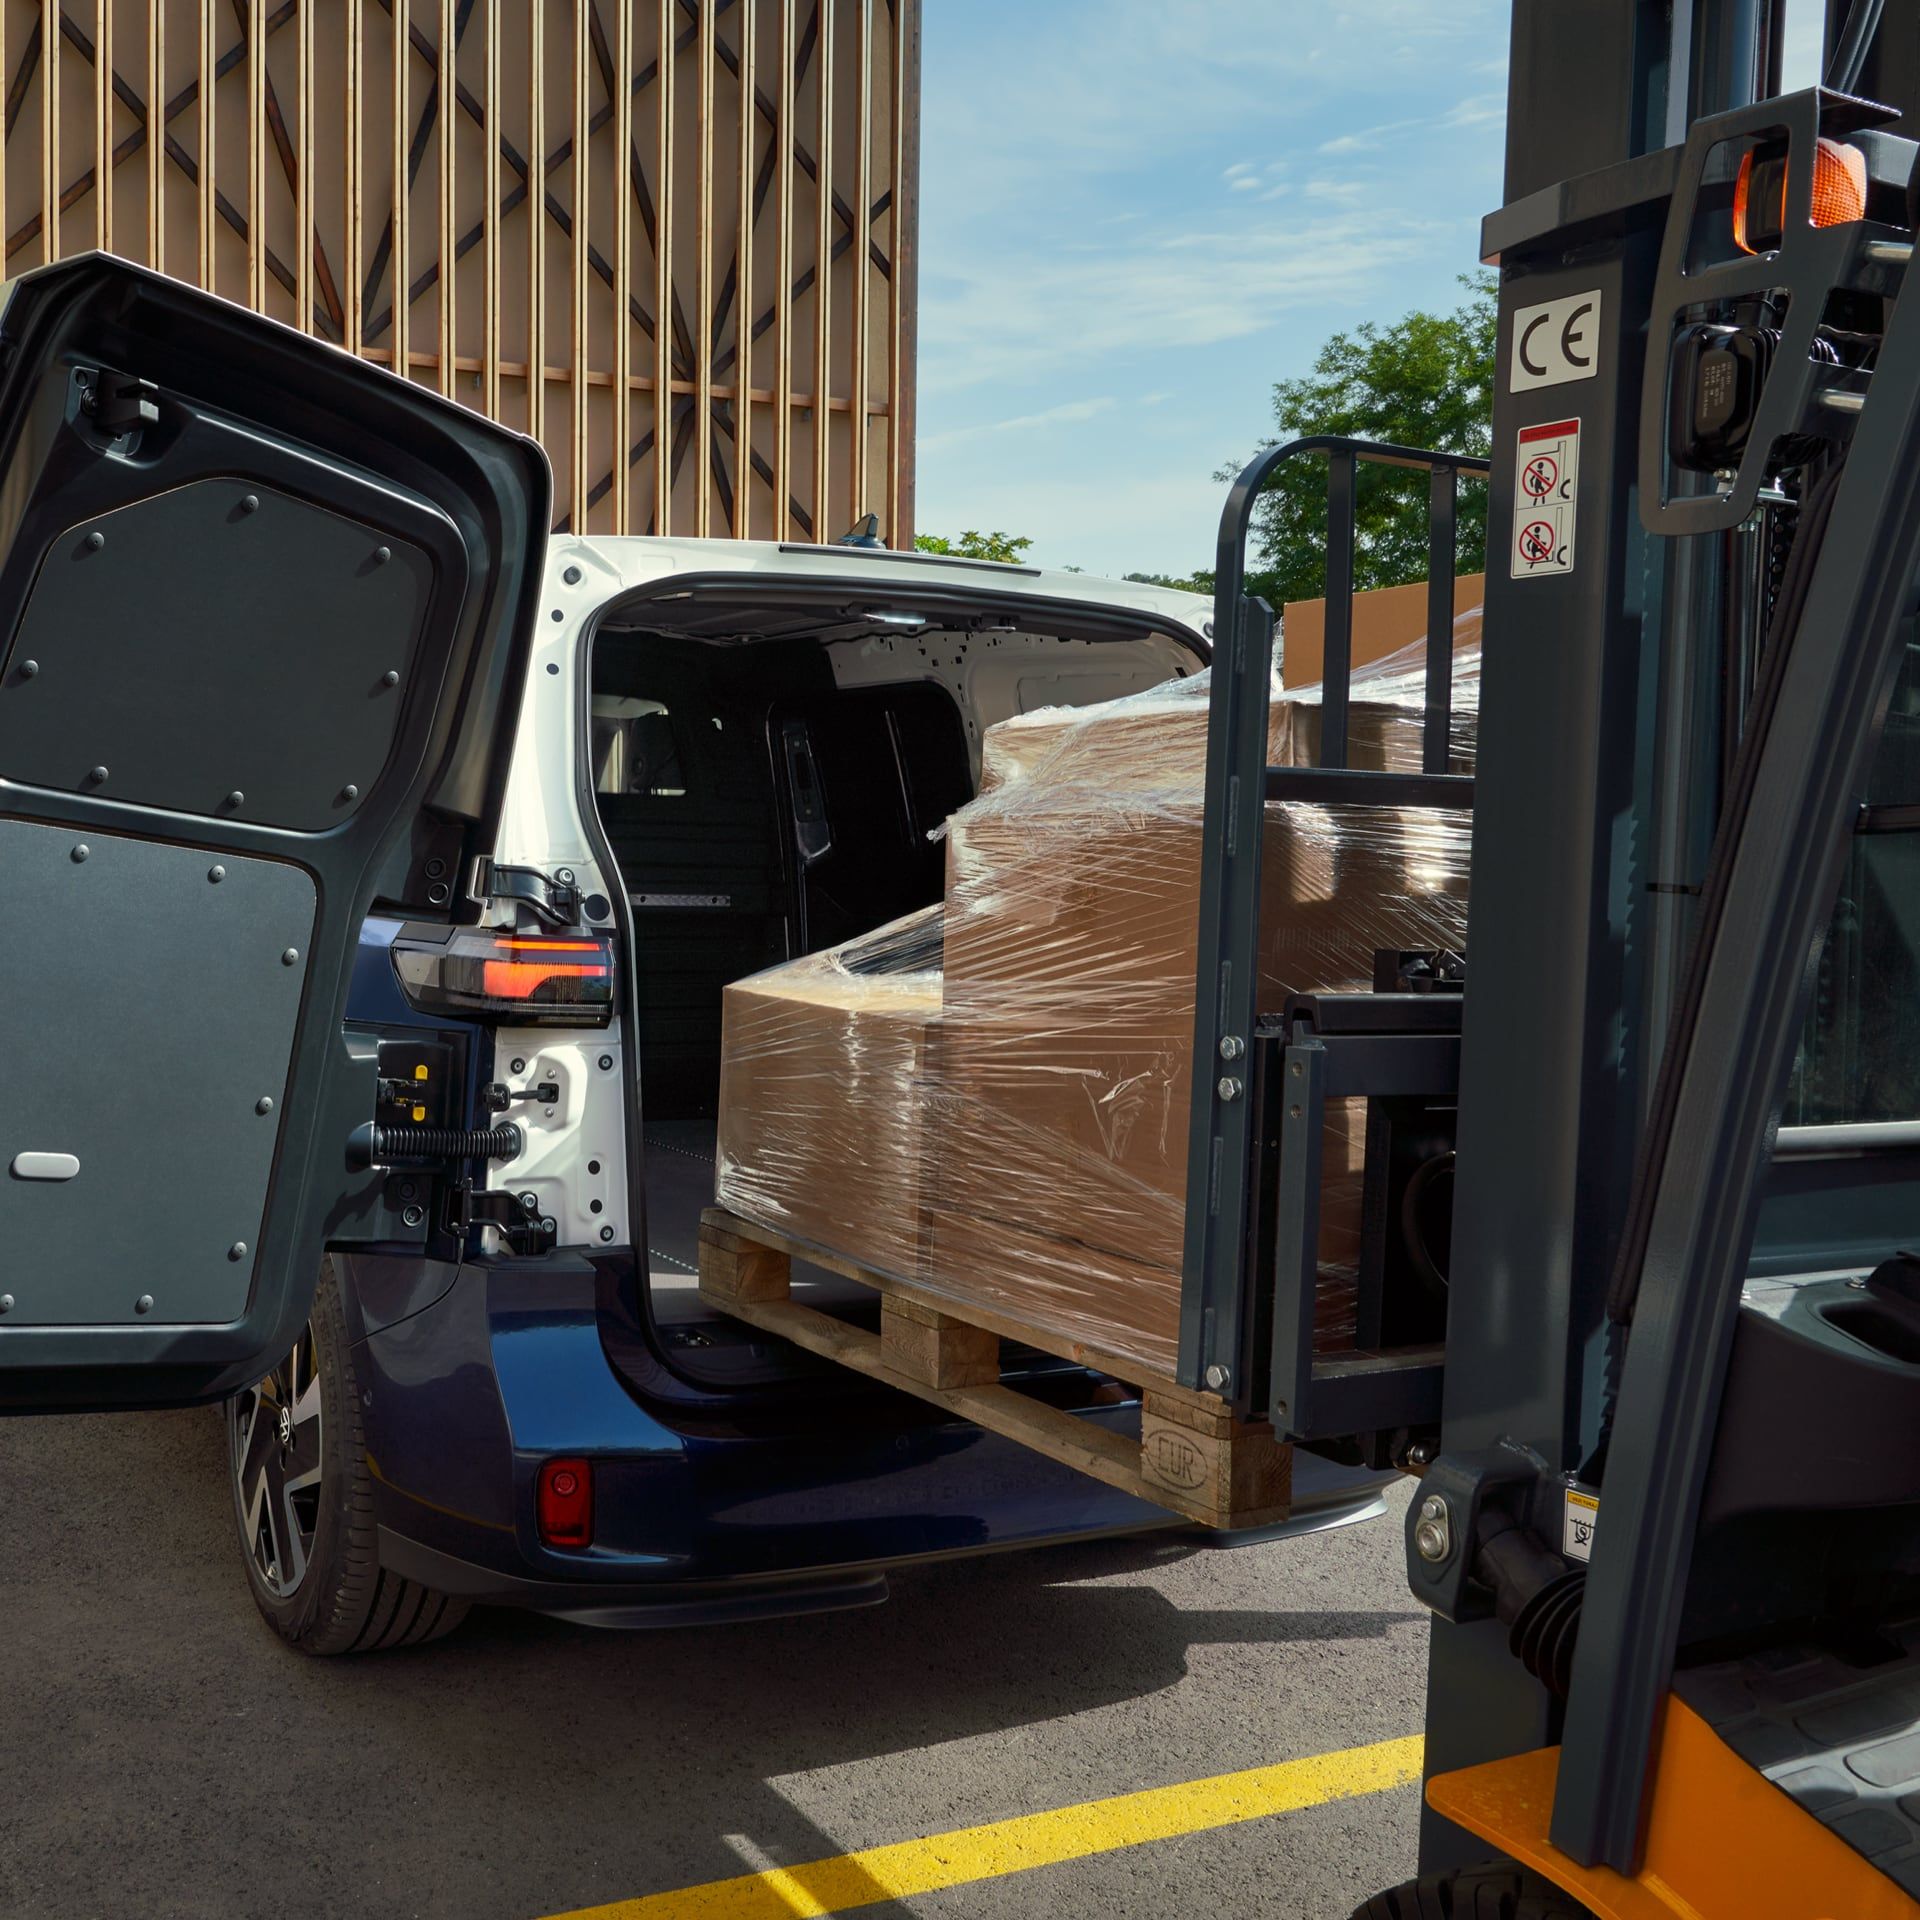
{"x":874,"y":565}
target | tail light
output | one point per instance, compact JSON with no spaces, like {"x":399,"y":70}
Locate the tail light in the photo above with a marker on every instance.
{"x":1760,"y":193}
{"x":561,"y":980}
{"x":563,"y":1503}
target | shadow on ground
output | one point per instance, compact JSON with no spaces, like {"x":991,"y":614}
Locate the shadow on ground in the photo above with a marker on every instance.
{"x":165,"y":1754}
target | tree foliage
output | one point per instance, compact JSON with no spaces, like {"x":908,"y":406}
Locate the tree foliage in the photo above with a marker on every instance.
{"x":974,"y":545}
{"x":1425,"y":381}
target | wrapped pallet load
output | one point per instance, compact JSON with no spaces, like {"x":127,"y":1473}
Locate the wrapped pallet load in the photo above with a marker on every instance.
{"x":1009,"y":1133}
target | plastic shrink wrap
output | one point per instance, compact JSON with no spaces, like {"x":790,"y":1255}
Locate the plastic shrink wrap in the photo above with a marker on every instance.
{"x":1009,"y":1127}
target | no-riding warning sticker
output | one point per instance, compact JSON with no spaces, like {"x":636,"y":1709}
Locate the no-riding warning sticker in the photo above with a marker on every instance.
{"x":1546,"y":494}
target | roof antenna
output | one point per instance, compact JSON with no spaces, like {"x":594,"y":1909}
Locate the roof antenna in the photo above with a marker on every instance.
{"x":865,"y":533}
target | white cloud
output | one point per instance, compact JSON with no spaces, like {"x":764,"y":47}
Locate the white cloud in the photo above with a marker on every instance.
{"x":1245,"y":184}
{"x":1000,"y":317}
{"x":1066,"y":414}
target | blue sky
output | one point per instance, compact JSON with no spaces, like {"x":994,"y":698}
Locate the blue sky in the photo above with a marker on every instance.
{"x":1139,"y":214}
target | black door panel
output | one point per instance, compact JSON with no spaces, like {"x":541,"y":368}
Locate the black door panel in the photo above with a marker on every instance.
{"x":293,"y":700}
{"x":264,"y":619}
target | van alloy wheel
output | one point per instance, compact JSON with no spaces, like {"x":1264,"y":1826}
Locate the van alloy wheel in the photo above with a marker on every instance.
{"x":274,"y":1436}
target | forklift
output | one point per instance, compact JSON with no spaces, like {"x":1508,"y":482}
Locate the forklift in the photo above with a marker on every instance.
{"x":1662,"y":1390}
{"x":1664,"y":1406}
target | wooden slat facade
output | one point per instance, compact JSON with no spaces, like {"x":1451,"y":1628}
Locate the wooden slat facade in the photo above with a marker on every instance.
{"x":576,"y":194}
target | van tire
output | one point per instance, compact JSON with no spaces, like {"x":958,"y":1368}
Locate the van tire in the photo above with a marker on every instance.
{"x":1500,"y":1892}
{"x":334,"y":1597}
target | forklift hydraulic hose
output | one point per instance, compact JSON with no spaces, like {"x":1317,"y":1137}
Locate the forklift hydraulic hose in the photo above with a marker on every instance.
{"x":1851,"y":48}
{"x":1794,"y":586}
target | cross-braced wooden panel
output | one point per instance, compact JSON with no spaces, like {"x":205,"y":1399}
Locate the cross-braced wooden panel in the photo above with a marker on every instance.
{"x":746,"y":167}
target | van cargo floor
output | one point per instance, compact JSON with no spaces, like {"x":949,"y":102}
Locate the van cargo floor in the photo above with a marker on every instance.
{"x":680,"y":1164}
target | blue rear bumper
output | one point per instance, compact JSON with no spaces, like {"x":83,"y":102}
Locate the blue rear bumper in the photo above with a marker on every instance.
{"x":704,"y":1508}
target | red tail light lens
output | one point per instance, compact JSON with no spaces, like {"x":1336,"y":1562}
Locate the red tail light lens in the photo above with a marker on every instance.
{"x":563,"y":1503}
{"x":544,"y":981}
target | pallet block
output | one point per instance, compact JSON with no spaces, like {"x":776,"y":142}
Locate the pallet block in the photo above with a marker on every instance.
{"x":1192,"y":1455}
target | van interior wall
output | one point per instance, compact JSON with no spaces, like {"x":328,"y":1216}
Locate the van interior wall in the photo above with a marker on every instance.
{"x":757,"y":811}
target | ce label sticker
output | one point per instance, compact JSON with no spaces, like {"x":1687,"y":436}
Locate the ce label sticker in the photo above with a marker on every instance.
{"x":1555,"y":342}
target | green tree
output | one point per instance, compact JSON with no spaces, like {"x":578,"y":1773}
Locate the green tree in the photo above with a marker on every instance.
{"x":974,"y":545}
{"x":1425,"y":381}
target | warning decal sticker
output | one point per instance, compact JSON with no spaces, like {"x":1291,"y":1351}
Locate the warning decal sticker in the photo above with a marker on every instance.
{"x":1583,"y":1510}
{"x":1546,"y":494}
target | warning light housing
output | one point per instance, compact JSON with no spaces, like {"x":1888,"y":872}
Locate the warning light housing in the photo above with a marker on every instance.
{"x":495,"y":973}
{"x":563,"y":1503}
{"x":1760,"y":192}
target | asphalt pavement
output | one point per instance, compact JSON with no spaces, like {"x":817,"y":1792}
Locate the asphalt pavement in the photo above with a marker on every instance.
{"x":162,"y":1753}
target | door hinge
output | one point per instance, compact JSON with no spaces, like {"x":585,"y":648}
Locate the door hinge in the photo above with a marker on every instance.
{"x":517,"y":1216}
{"x":551,"y":898}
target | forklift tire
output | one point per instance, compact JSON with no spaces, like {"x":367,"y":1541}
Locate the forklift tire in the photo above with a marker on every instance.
{"x":1474,"y":1893}
{"x":303,"y":1504}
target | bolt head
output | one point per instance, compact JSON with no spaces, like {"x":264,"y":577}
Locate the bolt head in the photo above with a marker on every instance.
{"x":349,"y":792}
{"x":1229,"y":1088}
{"x":381,"y":555}
{"x":28,"y":668}
{"x":144,"y":1304}
{"x":414,"y":1216}
{"x":216,"y":874}
{"x":238,"y":1251}
{"x":263,"y":1105}
{"x":98,"y":775}
{"x":606,"y":1233}
{"x":606,"y":1063}
{"x":96,"y":540}
{"x":1217,"y":1377}
{"x":250,"y":503}
{"x":519,"y":1066}
{"x":79,"y":853}
{"x":1232,"y":1046}
{"x":531,"y":1201}
{"x":565,"y":876}
{"x":571,"y":576}
{"x":6,"y":1303}
{"x":291,"y":957}
{"x":391,"y":678}
{"x":1433,"y":1530}
{"x":235,"y":797}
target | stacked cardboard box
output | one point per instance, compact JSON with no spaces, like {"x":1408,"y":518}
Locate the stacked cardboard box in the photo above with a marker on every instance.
{"x":824,"y":1063}
{"x":1013,"y":1132}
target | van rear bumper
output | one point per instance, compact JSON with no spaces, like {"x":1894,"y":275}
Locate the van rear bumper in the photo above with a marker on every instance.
{"x":701,"y":1512}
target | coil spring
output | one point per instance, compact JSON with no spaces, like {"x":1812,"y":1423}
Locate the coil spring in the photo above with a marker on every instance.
{"x":448,"y":1143}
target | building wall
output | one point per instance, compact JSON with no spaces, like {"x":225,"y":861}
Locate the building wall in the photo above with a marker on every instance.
{"x":317,"y":107}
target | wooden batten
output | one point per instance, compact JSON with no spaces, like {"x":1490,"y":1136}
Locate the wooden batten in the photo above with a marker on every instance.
{"x":673,"y":242}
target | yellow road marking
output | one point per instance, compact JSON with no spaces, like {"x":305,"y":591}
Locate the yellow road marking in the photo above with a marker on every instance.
{"x":849,"y":1881}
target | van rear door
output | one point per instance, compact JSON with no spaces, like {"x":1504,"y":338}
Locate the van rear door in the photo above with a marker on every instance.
{"x":263,"y":612}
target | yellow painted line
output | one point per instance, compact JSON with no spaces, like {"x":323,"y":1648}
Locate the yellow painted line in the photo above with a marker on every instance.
{"x":849,"y":1881}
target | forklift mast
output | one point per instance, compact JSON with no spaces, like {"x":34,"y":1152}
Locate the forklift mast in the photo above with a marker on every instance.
{"x":1669,"y":1432}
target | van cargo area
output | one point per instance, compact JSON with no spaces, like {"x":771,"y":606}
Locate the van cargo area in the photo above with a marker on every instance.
{"x":772,"y":768}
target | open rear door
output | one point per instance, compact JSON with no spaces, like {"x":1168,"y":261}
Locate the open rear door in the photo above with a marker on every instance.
{"x":264,"y":620}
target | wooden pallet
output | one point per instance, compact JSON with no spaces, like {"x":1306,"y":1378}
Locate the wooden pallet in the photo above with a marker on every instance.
{"x":1191,"y":1455}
